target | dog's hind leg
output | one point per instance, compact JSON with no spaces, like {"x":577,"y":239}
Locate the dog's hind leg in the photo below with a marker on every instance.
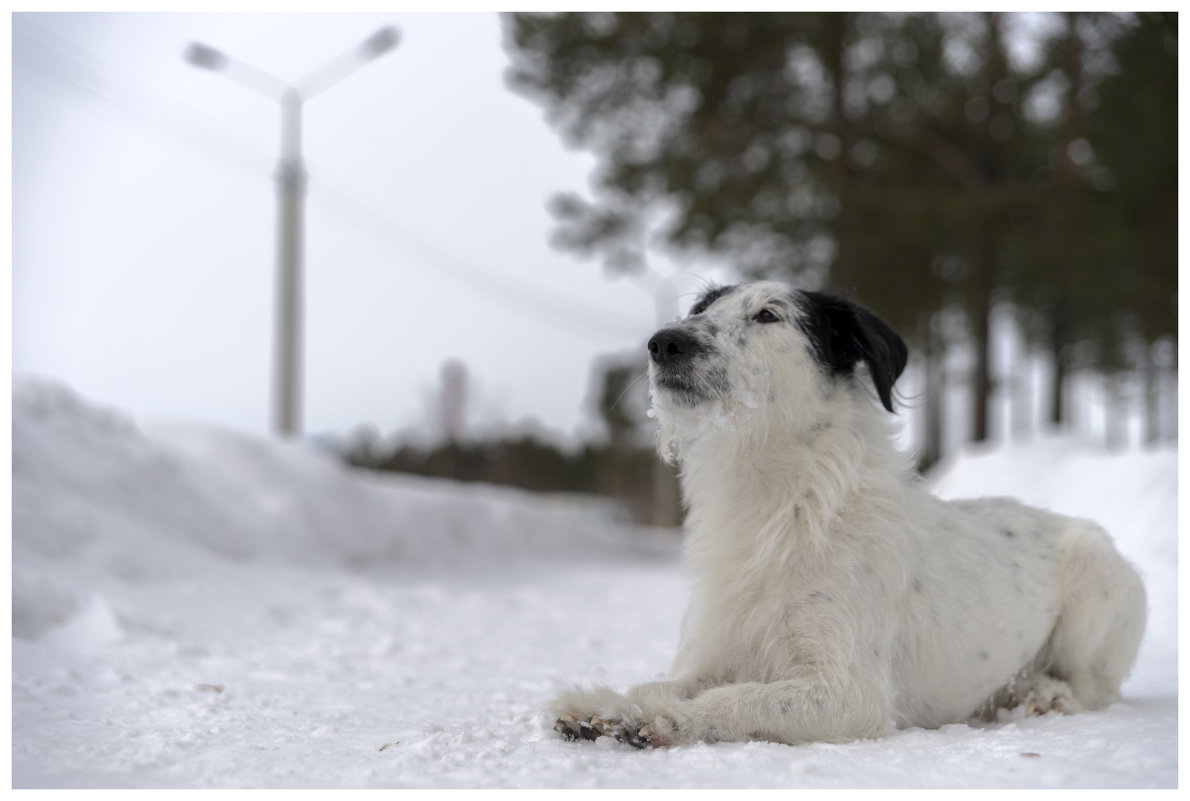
{"x":1101,"y":618}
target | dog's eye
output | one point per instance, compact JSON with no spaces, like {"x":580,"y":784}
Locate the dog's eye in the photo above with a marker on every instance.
{"x":766,"y":316}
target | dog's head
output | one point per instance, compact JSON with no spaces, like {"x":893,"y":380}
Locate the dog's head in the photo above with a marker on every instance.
{"x":747,"y":348}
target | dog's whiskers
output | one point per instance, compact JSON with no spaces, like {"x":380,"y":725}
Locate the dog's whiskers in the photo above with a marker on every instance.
{"x":616,"y":403}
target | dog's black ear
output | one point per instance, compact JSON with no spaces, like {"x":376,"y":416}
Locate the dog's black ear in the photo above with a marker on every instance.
{"x":844,"y":333}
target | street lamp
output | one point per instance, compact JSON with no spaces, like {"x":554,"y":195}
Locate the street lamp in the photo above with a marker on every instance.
{"x":291,"y":185}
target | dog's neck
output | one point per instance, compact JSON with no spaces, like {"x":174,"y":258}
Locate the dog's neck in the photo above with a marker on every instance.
{"x":786,"y":483}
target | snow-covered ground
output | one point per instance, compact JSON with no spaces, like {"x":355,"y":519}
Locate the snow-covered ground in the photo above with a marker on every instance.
{"x":196,"y":608}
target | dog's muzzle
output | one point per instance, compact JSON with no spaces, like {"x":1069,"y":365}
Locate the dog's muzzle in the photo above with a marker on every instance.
{"x":679,"y":365}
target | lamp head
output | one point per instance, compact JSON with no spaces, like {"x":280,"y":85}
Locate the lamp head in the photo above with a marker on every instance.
{"x":204,"y":57}
{"x":380,"y":42}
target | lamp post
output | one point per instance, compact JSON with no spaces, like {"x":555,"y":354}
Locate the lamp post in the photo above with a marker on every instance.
{"x":291,"y":187}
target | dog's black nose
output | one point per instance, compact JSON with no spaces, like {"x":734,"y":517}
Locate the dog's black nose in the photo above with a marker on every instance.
{"x":669,"y":346}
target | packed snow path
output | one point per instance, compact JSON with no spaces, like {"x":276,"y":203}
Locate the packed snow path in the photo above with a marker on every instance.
{"x":193,"y":608}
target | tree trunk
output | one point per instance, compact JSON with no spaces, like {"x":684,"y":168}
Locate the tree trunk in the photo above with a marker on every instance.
{"x":981,"y":380}
{"x":1059,"y":325}
{"x":1022,"y":413}
{"x":1171,"y":425}
{"x":1152,"y":397}
{"x":1072,"y":125}
{"x":1115,"y":435}
{"x":986,"y":255}
{"x":935,"y":359}
{"x":834,"y":47}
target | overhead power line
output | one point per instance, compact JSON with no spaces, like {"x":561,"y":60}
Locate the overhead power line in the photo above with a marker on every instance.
{"x":45,"y":61}
{"x":561,"y":310}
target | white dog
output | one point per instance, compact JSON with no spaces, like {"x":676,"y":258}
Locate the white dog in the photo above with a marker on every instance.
{"x":835,"y":598}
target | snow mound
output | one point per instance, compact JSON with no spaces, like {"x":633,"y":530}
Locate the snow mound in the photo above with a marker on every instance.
{"x":91,"y":485}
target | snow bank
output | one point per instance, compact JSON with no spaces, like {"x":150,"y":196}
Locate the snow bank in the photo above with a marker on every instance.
{"x":90,"y":485}
{"x":197,"y":608}
{"x":1133,"y":494}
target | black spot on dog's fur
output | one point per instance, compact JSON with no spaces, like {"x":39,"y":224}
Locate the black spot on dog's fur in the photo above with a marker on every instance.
{"x":707,"y":298}
{"x":843,"y":334}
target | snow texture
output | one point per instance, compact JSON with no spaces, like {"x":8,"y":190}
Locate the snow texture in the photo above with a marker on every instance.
{"x":198,"y":608}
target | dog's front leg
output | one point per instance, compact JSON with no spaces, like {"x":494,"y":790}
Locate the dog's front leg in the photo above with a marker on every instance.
{"x":791,"y":711}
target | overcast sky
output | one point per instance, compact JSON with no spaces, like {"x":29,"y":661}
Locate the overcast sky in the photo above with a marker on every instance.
{"x":144,"y":225}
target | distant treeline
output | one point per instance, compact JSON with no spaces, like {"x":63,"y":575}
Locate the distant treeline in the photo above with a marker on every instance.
{"x":645,"y":488}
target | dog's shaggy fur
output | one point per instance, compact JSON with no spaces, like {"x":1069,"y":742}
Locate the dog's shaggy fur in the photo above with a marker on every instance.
{"x":835,"y":598}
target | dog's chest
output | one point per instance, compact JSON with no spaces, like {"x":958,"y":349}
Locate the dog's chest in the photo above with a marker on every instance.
{"x":767,"y":624}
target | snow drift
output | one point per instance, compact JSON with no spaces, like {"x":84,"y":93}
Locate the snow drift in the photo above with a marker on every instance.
{"x":89,"y":485}
{"x":199,"y":608}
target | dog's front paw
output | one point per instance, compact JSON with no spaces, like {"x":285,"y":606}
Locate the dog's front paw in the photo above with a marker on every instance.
{"x":588,"y":714}
{"x":572,"y":728}
{"x":660,"y":732}
{"x":630,"y":732}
